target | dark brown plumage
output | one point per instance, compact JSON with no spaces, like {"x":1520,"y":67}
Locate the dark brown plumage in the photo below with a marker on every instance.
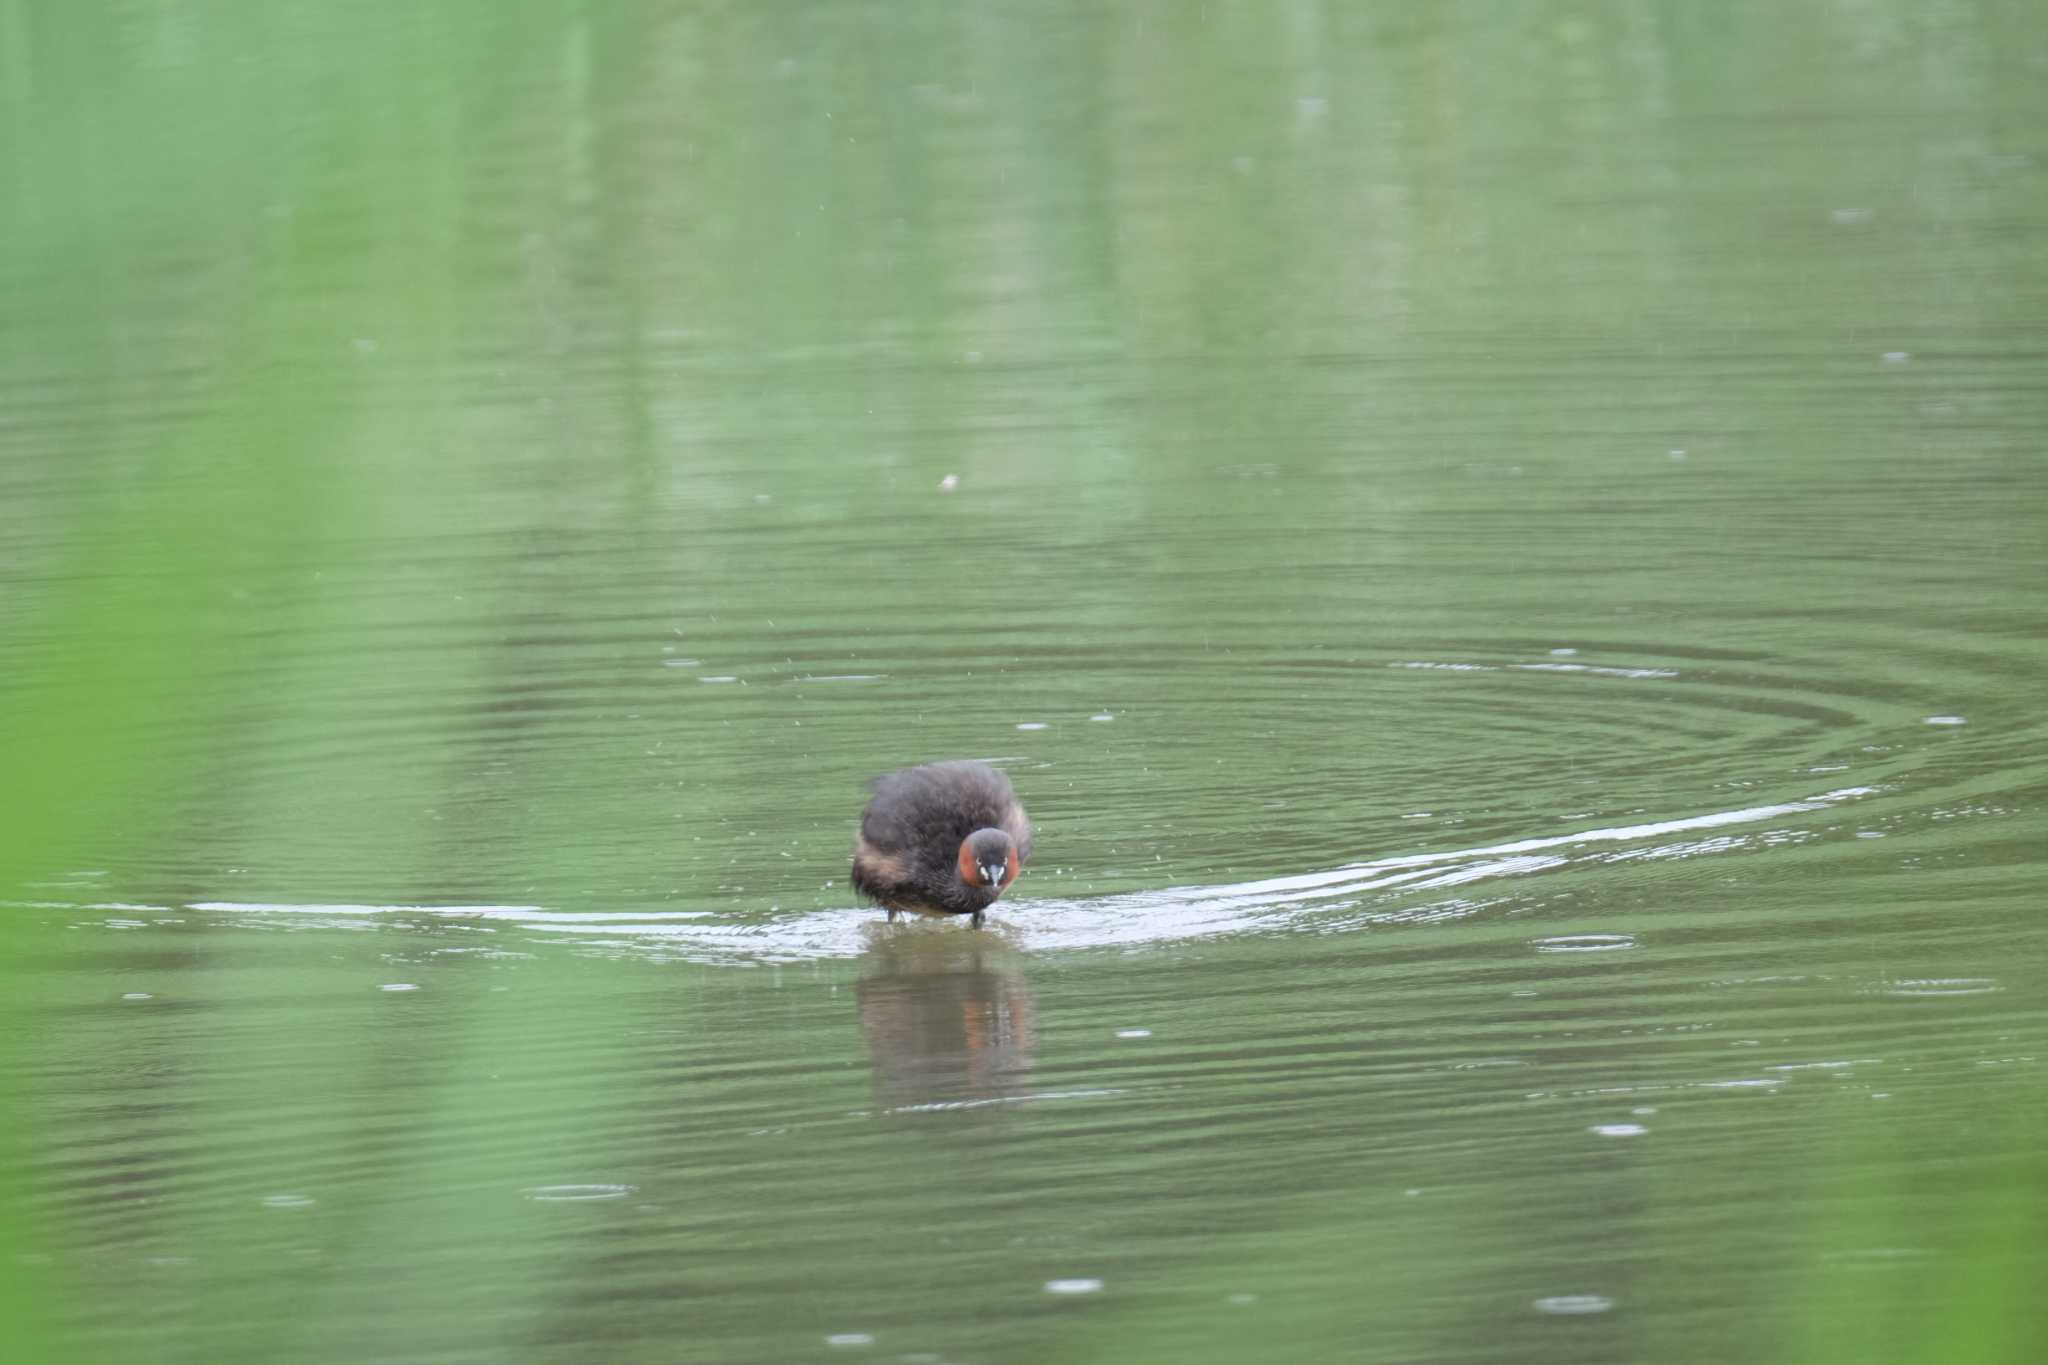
{"x":941,"y":839}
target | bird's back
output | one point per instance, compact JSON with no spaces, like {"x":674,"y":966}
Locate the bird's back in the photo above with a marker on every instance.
{"x":930,"y":809}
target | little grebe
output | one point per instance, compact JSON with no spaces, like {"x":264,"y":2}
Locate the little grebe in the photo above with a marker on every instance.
{"x":941,"y":839}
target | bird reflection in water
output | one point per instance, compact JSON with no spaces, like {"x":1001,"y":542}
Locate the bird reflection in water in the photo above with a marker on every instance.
{"x":949,"y":1018}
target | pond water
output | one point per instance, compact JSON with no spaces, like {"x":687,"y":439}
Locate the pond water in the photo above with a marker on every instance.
{"x":1504,"y":553}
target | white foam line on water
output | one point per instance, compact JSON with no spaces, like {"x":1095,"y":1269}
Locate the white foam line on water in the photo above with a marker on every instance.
{"x":543,"y":917}
{"x":1332,"y":898}
{"x":1601,"y":669}
{"x":303,"y":908}
{"x":938,"y":1106}
{"x":1617,"y":834}
{"x":527,"y":916}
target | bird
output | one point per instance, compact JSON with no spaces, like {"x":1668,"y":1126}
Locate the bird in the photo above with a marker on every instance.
{"x":940,"y":839}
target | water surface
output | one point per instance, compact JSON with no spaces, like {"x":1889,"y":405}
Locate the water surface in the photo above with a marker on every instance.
{"x":1505,"y":555}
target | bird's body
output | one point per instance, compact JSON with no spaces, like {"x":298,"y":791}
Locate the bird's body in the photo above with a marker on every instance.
{"x":941,"y":839}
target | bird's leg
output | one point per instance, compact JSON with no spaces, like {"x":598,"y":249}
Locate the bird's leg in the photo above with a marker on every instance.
{"x":977,"y":919}
{"x":892,"y":914}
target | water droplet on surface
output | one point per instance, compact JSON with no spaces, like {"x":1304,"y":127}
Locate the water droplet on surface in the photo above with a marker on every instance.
{"x":949,"y":483}
{"x":1033,"y":725}
{"x":1896,"y":357}
{"x":718,"y":678}
{"x":288,"y":1201}
{"x":1618,"y":1129}
{"x":1134,"y":1033}
{"x":1073,"y":1286}
{"x":849,"y":1339}
{"x":398,"y":986}
{"x":1946,"y":720}
{"x":1563,"y":653}
{"x":1102,"y":715}
{"x":138,"y":995}
{"x":1574,"y":1303}
{"x":1242,"y":1298}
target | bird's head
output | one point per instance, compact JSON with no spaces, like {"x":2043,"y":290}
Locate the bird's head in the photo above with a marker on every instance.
{"x":988,"y":859}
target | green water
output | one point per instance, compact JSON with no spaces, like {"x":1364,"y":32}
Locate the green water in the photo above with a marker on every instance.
{"x":1504,"y":548}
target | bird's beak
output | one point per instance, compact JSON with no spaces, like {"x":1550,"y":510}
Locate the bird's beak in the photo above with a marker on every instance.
{"x":992,"y":874}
